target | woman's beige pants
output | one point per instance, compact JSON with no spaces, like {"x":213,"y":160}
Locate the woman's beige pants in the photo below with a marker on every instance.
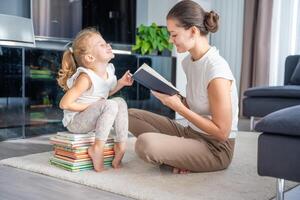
{"x":161,"y":140}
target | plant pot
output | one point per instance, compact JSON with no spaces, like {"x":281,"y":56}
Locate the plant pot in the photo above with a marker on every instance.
{"x":165,"y":52}
{"x":154,"y":53}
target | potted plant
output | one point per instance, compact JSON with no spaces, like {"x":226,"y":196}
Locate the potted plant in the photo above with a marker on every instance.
{"x":152,"y":40}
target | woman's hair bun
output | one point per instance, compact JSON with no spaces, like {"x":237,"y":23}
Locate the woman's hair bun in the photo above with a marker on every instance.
{"x":211,"y":21}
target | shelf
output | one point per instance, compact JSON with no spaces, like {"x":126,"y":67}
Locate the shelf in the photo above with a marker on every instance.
{"x":41,"y":79}
{"x":41,"y":106}
{"x":42,"y":93}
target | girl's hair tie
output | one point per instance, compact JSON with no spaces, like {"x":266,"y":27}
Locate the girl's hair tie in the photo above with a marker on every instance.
{"x":71,"y":49}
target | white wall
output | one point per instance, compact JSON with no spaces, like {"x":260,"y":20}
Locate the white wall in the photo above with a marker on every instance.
{"x":158,"y":10}
{"x":229,"y":38}
{"x":149,"y":11}
{"x":141,"y":12}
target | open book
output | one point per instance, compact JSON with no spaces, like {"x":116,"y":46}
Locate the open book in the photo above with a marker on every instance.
{"x":151,"y":79}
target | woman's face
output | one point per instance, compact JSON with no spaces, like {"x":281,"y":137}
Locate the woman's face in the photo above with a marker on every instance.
{"x":101,"y":50}
{"x":180,"y":37}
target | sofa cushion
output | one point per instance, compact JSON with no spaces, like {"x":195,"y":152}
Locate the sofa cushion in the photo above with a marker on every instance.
{"x":289,"y":91}
{"x":284,"y":122}
{"x":295,"y":78}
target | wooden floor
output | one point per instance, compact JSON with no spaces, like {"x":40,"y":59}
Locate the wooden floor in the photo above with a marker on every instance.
{"x":16,"y":184}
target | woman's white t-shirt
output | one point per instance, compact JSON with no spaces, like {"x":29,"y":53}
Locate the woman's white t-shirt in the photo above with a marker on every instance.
{"x":99,"y":89}
{"x":199,"y":73}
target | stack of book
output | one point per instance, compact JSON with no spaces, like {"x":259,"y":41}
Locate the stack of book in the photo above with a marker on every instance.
{"x":71,"y":151}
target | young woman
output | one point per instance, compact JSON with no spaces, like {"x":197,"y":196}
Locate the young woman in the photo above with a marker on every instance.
{"x":210,"y":105}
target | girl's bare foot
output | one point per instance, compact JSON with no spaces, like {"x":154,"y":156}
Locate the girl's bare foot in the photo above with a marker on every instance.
{"x":119,"y":149}
{"x":180,"y":171}
{"x":96,"y":154}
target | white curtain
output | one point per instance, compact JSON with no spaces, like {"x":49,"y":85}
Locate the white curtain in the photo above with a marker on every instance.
{"x":285,"y":38}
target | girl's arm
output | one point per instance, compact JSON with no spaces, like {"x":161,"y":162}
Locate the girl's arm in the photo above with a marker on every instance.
{"x":67,"y":102}
{"x":220,"y":104}
{"x":126,"y":80}
{"x":118,"y":87}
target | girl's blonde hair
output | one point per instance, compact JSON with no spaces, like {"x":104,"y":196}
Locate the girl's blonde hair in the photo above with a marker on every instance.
{"x":73,"y":56}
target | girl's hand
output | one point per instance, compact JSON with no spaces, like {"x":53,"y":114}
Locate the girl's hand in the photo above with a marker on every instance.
{"x":173,"y":102}
{"x":126,"y":79}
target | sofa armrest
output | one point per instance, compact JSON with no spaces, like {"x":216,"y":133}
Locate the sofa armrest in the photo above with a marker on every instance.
{"x":283,"y":122}
{"x":278,"y":156}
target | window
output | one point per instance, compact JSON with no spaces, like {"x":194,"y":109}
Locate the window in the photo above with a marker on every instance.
{"x":285,"y":38}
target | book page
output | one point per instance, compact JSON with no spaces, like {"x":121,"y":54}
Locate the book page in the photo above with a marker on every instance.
{"x":156,"y":74}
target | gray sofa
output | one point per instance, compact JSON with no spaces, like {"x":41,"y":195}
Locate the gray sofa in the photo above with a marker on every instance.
{"x":260,"y":101}
{"x":279,"y":147}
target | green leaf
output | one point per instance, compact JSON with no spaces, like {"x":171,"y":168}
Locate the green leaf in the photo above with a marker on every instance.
{"x":146,"y":46}
{"x":160,"y":47}
{"x":152,"y":33}
{"x":165,"y":32}
{"x":164,"y":45}
{"x":154,"y":25}
{"x":170,"y":46}
{"x":147,"y":38}
{"x":141,"y":28}
{"x":138,"y":40}
{"x":154,"y":44}
{"x":135,"y":47}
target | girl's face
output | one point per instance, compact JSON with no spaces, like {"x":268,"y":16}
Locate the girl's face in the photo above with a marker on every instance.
{"x":183,"y":39}
{"x":101,"y":51}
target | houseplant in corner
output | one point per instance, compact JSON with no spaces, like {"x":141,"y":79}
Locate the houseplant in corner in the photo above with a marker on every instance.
{"x":152,"y":39}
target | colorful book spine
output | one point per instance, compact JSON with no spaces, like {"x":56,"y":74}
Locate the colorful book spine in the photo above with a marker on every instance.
{"x":70,"y":151}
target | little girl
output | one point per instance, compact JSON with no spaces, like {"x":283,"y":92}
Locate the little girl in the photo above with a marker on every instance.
{"x":88,"y":79}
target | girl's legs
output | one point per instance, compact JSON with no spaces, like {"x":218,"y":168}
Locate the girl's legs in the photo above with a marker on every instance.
{"x":121,"y":129}
{"x":98,"y":117}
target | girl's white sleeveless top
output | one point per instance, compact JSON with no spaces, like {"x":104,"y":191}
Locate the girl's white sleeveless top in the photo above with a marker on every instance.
{"x":99,"y":89}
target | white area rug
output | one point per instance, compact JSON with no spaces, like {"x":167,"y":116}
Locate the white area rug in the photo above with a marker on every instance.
{"x":140,"y":180}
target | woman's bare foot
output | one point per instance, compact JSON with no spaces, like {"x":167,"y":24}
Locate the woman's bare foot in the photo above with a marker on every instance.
{"x":180,"y":171}
{"x":96,"y":154}
{"x":119,"y":153}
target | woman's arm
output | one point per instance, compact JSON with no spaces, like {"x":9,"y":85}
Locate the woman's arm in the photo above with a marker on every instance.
{"x":183,"y":100}
{"x":67,"y":102}
{"x":220,"y":107}
{"x":220,"y":104}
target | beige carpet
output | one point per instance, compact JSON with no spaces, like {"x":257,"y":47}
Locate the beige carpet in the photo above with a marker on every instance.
{"x":144,"y":181}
